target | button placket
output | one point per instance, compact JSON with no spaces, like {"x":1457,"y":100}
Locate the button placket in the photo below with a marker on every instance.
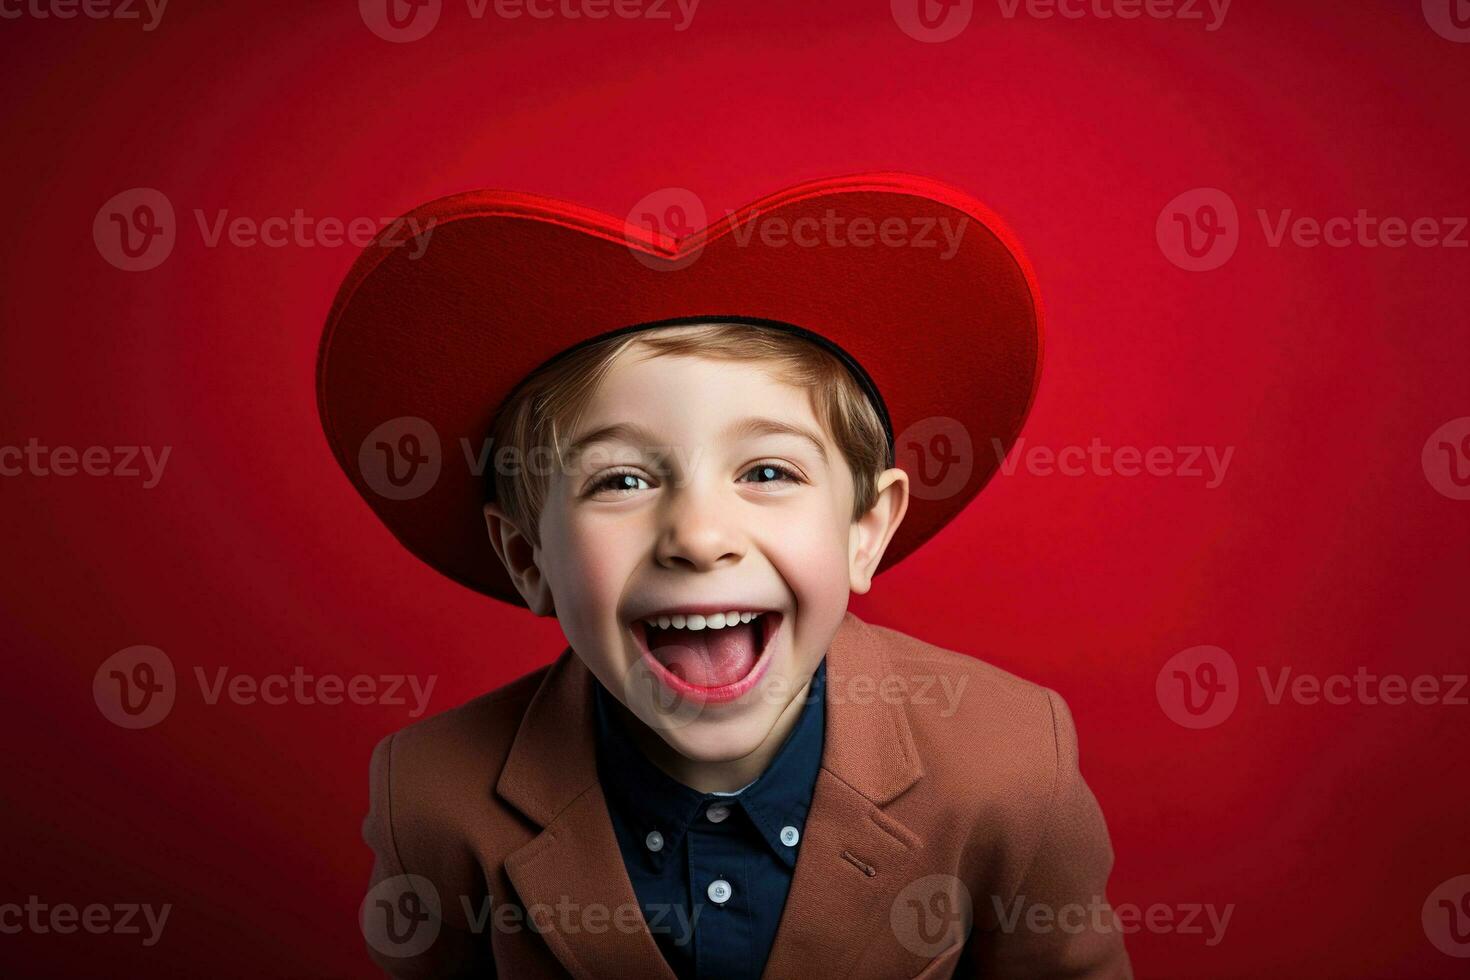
{"x":718,"y":883}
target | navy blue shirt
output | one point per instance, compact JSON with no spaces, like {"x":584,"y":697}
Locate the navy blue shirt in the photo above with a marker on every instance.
{"x":711,"y":870}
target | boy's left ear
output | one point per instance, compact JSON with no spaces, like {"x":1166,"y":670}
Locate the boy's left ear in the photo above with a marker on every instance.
{"x":871,"y":532}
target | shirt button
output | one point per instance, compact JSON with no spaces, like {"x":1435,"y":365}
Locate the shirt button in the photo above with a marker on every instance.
{"x":717,"y":812}
{"x":719,"y":891}
{"x":789,"y":836}
{"x":654,"y":840}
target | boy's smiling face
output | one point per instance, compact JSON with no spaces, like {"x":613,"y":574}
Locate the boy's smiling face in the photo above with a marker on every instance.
{"x":699,"y":487}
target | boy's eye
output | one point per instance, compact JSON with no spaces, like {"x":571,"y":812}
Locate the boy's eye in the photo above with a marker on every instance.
{"x":626,"y":482}
{"x":619,"y":483}
{"x":769,"y":473}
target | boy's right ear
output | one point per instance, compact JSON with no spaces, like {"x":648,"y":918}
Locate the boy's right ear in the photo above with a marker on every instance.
{"x":518,"y":555}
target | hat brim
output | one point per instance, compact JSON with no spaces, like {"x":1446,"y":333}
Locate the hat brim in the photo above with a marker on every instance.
{"x":427,"y":338}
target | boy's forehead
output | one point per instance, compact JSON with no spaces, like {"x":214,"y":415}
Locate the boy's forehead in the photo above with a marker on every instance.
{"x":640,"y":376}
{"x":657,"y":391}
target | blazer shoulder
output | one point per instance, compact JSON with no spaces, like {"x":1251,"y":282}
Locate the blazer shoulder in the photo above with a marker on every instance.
{"x":981,"y":687}
{"x":446,"y":765}
{"x":979,"y":728}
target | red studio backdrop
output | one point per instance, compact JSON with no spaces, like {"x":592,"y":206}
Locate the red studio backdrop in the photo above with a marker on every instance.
{"x":1173,"y":170}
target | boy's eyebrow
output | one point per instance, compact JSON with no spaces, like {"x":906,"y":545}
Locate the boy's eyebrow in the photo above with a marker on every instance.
{"x":618,"y":431}
{"x":753,"y":426}
{"x":761,"y":426}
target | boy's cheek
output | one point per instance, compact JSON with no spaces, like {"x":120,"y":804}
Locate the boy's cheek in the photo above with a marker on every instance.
{"x":812,"y":559}
{"x":587,"y":572}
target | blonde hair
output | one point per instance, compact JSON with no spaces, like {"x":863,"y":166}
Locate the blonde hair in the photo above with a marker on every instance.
{"x":541,"y":414}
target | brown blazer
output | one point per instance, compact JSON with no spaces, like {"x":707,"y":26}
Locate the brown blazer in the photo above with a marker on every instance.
{"x":495,"y":854}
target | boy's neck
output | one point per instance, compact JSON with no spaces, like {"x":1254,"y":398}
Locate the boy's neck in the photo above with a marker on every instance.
{"x":714,"y":777}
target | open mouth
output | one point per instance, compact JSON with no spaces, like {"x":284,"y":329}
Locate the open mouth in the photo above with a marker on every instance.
{"x":707,"y":656}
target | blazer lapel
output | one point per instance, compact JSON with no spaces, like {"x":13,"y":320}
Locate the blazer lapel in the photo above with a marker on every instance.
{"x":570,"y":878}
{"x":855,"y":858}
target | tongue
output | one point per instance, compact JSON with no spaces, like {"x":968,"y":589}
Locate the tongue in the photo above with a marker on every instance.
{"x":706,"y":658}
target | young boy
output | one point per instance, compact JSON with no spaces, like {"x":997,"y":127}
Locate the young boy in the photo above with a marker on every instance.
{"x":726,"y":774}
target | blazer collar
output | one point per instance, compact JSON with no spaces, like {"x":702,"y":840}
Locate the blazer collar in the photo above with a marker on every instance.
{"x":868,"y":759}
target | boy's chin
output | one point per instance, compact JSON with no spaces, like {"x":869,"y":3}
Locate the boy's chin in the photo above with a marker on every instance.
{"x":710,"y":740}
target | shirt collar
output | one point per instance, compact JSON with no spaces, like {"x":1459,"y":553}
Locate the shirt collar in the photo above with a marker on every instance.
{"x":649,"y":799}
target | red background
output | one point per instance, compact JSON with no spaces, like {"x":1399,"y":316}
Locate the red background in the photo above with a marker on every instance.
{"x":1325,"y":548}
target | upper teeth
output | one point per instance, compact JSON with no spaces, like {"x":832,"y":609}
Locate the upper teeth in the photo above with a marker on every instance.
{"x":717,"y":621}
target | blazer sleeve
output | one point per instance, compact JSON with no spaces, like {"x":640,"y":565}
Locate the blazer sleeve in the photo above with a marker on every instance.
{"x":409,"y":932}
{"x":1058,"y":923}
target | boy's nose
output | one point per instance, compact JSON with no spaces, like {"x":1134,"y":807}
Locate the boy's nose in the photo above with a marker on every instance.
{"x":698,"y":536}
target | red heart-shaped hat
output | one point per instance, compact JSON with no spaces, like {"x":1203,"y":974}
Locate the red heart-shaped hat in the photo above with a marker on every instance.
{"x":921,"y":288}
